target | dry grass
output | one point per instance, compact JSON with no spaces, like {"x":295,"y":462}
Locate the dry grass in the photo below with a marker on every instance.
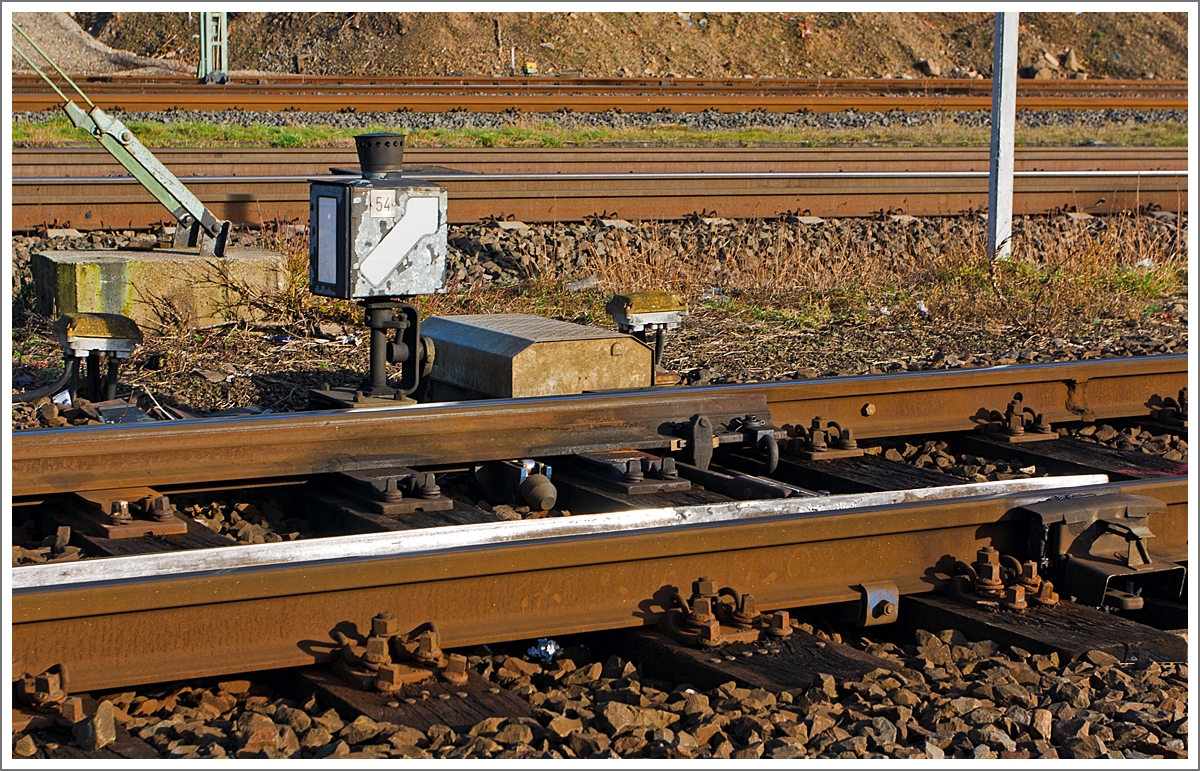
{"x":1059,"y":269}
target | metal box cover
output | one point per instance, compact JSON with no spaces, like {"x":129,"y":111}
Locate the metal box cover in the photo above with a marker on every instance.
{"x":513,"y":354}
{"x":377,"y":238}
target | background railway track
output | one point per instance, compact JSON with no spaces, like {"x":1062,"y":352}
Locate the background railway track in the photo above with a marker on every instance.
{"x":533,"y":186}
{"x":314,"y":94}
{"x":94,"y":162}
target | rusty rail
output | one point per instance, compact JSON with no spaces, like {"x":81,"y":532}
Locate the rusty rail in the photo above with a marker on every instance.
{"x":296,"y":445}
{"x":242,"y":162}
{"x":131,"y":631}
{"x":280,"y":92}
{"x":91,"y":202}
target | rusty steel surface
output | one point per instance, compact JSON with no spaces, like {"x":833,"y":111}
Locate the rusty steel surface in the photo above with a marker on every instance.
{"x":598,"y":94}
{"x":89,"y":162}
{"x":120,"y":633}
{"x":102,"y":202}
{"x":191,"y":452}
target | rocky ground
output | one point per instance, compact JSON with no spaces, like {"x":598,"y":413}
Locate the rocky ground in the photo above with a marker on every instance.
{"x":679,"y":44}
{"x":937,"y":695}
{"x":744,"y":324}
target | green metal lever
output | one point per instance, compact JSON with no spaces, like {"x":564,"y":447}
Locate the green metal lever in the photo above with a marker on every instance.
{"x":136,"y":158}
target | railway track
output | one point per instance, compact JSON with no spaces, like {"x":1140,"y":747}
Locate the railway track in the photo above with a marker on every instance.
{"x":94,"y":162}
{"x":808,"y":533}
{"x":308,"y":93}
{"x":557,"y":186}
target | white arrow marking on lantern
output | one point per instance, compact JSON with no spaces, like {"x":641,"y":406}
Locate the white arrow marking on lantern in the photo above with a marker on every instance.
{"x":419,"y":220}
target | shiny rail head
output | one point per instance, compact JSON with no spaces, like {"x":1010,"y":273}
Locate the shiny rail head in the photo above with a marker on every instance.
{"x":432,"y":540}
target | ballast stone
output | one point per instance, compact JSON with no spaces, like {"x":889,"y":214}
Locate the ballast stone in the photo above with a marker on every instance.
{"x":156,"y":288}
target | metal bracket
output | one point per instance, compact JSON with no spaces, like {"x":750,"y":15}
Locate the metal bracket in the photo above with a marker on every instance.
{"x":698,"y":432}
{"x":880,"y":603}
{"x":823,"y":440}
{"x":127,"y":513}
{"x":392,"y":491}
{"x":390,"y":660}
{"x":1018,"y":423}
{"x":1096,"y":539}
{"x":712,"y":617}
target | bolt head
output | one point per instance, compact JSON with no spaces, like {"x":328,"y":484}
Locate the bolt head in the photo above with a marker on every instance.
{"x":385,"y":625}
{"x":704,"y":587}
{"x":387,"y":677}
{"x":988,"y":555}
{"x":868,"y":410}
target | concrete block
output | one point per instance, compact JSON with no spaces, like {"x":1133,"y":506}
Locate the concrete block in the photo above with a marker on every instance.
{"x":158,"y":289}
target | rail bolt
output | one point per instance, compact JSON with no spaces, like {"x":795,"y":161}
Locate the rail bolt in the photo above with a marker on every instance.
{"x":72,"y":709}
{"x":385,"y":625}
{"x":1029,"y":577}
{"x":159,"y":508}
{"x":633,"y":471}
{"x":429,"y":649}
{"x":704,"y":587}
{"x":884,"y":609}
{"x":428,"y":487}
{"x":1014,"y":598}
{"x":120,"y":513}
{"x":753,"y":422}
{"x":702,"y":612}
{"x":988,"y":581}
{"x":391,"y":492}
{"x":388,"y":679}
{"x":1045,"y":595}
{"x":747,"y":613}
{"x":868,"y":410}
{"x":456,"y":669}
{"x":710,"y":634}
{"x":780,"y":624}
{"x":48,"y":692}
{"x":377,"y":652}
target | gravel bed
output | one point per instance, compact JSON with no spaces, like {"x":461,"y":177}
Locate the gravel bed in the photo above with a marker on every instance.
{"x":33,"y":544}
{"x":708,"y":120}
{"x":951,"y":698}
{"x":246,"y":522}
{"x":935,"y":456}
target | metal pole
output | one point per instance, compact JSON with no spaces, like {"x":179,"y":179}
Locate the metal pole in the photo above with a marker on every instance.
{"x":1004,"y":118}
{"x":214,"y":47}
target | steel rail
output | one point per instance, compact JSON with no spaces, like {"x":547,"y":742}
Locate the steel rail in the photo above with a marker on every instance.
{"x":108,"y":202}
{"x":138,"y":630}
{"x":880,"y":85}
{"x":22,"y":80}
{"x":597,"y":94}
{"x":87,"y":162}
{"x":301,"y":444}
{"x":80,"y":161}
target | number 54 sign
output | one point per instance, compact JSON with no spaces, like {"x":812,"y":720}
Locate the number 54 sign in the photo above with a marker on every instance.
{"x":382,"y":203}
